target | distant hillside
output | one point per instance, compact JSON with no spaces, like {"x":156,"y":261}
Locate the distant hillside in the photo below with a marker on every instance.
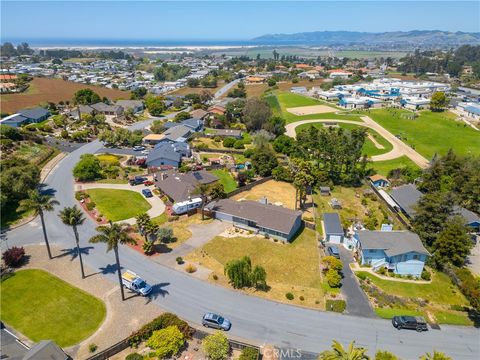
{"x":418,"y":38}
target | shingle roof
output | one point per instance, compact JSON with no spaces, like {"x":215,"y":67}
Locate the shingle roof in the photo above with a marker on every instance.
{"x":332,"y":224}
{"x":45,"y":349}
{"x":198,"y":113}
{"x":392,"y":242}
{"x":180,"y":131}
{"x":264,"y":215}
{"x":165,"y":151}
{"x":406,"y":196}
{"x":179,"y":186}
{"x":129,"y":104}
{"x":35,"y":113}
{"x":468,"y":215}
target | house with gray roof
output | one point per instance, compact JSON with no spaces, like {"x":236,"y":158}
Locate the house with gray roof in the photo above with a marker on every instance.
{"x":333,"y":229}
{"x":399,"y":251}
{"x":194,"y":123}
{"x":46,"y":350}
{"x":107,"y":109}
{"x":180,"y":187}
{"x":168,"y":154}
{"x":135,"y":105}
{"x":258,"y":216}
{"x":25,"y":117}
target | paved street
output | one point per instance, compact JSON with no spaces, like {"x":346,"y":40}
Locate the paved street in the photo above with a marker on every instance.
{"x":357,"y":301}
{"x":254,"y":319}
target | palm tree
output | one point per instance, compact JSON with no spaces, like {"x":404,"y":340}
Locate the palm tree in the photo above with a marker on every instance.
{"x":202,"y":190}
{"x":112,"y":236}
{"x":39,"y":203}
{"x":73,"y":216}
{"x":143,"y":220}
{"x":339,"y":353}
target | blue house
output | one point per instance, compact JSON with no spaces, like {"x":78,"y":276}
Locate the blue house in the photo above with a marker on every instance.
{"x":26,"y":116}
{"x":379,"y":181}
{"x":399,"y":251}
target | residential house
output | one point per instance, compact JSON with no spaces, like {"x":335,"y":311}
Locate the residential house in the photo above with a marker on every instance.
{"x":152,"y":139}
{"x":415,"y":103}
{"x":136,"y":105}
{"x":15,"y":120}
{"x":82,"y":109}
{"x":339,"y":74}
{"x":216,"y":110}
{"x":106,"y":109}
{"x":379,"y":181}
{"x":228,"y":133}
{"x":260,"y":217}
{"x":180,"y":187}
{"x":198,"y":114}
{"x":333,"y":229}
{"x":45,"y":350}
{"x":25,"y":117}
{"x":168,"y":154}
{"x":399,"y":251}
{"x":298,"y":89}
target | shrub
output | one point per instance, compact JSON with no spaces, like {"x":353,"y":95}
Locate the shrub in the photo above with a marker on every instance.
{"x":14,"y":256}
{"x":336,"y":305}
{"x":301,"y":298}
{"x":172,"y":218}
{"x":333,"y":278}
{"x":99,"y":219}
{"x":229,"y":142}
{"x":166,"y":342}
{"x":426,"y":275}
{"x":361,"y":275}
{"x":92,"y":348}
{"x":161,"y":322}
{"x":216,"y":346}
{"x":165,"y":234}
{"x":332,"y":263}
{"x":238,"y":145}
{"x":147,"y":247}
{"x":248,"y":153}
{"x":80,"y":195}
{"x":134,"y":356}
{"x":385,"y":355}
{"x":190,"y":268}
{"x":215,"y":277}
{"x":248,"y":353}
{"x":90,"y":206}
{"x":217,"y":139}
{"x":289,"y":296}
{"x":179,"y":260}
{"x":382,"y":271}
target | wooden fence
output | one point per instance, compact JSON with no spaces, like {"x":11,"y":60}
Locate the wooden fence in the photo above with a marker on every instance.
{"x":248,"y":186}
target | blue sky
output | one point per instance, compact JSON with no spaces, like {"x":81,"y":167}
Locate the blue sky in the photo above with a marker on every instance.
{"x":225,"y":20}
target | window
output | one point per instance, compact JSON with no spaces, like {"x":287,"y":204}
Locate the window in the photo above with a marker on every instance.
{"x":416,"y":257}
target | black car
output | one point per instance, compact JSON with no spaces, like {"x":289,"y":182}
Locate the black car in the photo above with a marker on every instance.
{"x":333,"y":251}
{"x":410,"y":322}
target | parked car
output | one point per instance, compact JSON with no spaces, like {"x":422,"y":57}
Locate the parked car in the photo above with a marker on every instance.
{"x":145,"y":152}
{"x":215,"y":321}
{"x":147,"y":193}
{"x":136,"y":180}
{"x":148,"y":182}
{"x":138,"y":148}
{"x":410,"y":322}
{"x":333,"y":251}
{"x":135,"y":283}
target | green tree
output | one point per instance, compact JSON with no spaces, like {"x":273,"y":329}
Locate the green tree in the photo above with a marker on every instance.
{"x":437,"y":355}
{"x":332,"y":262}
{"x":333,"y":278}
{"x":157,"y":127}
{"x":166,"y":342}
{"x":154,"y":105}
{"x":88,"y":168}
{"x":202,"y":190}
{"x":193,"y":82}
{"x":216,"y":346}
{"x":303,"y":179}
{"x":259,"y":277}
{"x":239,"y":272}
{"x":165,"y":235}
{"x":39,"y":203}
{"x":453,"y":243}
{"x":338,"y":352}
{"x":438,"y":101}
{"x":85,"y":97}
{"x":216,"y":191}
{"x":256,"y":113}
{"x":275,"y":125}
{"x":229,"y":142}
{"x":143,"y":221}
{"x":73,"y":216}
{"x":138,"y":94}
{"x":112,"y":236}
{"x":264,"y":161}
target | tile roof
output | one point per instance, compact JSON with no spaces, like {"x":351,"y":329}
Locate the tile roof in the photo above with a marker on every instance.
{"x":392,"y":242}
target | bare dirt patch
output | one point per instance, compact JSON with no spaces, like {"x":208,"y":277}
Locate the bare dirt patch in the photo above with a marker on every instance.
{"x":276,"y":192}
{"x":309,"y":110}
{"x":52,"y":90}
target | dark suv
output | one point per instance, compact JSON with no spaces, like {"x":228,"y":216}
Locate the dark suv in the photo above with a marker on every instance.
{"x":410,"y":322}
{"x":216,"y":321}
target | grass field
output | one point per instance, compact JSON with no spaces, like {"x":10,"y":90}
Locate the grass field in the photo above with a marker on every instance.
{"x":52,"y":90}
{"x":431,"y":132}
{"x":384,"y":167}
{"x":118,"y":205}
{"x":388,"y":313}
{"x":290,"y":267}
{"x":42,"y":306}
{"x":226,"y":179}
{"x":34,"y":153}
{"x":369,"y":147}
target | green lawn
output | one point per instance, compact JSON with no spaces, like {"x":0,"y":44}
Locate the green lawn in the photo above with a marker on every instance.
{"x":453,"y":318}
{"x":226,"y":179}
{"x":112,"y":181}
{"x":384,"y":167}
{"x":439,"y":291}
{"x":41,"y":306}
{"x":431,"y":132}
{"x":369,"y":147}
{"x":118,"y":205}
{"x":388,"y":313}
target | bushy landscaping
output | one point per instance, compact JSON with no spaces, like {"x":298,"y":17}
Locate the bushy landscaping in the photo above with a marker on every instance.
{"x":49,"y":308}
{"x":118,"y":205}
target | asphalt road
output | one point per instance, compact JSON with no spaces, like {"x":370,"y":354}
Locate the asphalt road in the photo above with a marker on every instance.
{"x":254,"y":319}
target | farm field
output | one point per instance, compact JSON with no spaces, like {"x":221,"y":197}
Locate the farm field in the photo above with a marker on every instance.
{"x":52,"y":90}
{"x":41,"y":306}
{"x":302,"y":279}
{"x":111,"y":203}
{"x":226,"y":179}
{"x":369,"y":148}
{"x":431,"y":132}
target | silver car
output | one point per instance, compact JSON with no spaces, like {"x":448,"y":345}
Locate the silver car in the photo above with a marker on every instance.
{"x":215,"y":321}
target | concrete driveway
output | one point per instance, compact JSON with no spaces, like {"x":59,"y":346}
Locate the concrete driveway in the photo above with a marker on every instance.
{"x":357,"y":301}
{"x":157,"y":209}
{"x":474,"y":258}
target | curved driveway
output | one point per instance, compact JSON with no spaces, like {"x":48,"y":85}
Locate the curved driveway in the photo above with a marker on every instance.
{"x":254,"y":319}
{"x":399,"y":147}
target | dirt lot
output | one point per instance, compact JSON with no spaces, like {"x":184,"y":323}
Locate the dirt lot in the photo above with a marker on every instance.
{"x":274,"y":191}
{"x":257,"y":90}
{"x":198,"y":90}
{"x":52,"y":90}
{"x":308,"y":110}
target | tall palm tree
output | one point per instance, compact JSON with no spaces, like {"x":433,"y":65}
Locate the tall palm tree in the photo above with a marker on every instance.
{"x":112,"y":236}
{"x":339,"y":353}
{"x":143,"y":221}
{"x":73,"y":216}
{"x":202,"y":190}
{"x":39,"y":203}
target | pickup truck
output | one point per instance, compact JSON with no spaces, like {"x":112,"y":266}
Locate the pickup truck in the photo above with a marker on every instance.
{"x":137,"y":180}
{"x":135,"y":283}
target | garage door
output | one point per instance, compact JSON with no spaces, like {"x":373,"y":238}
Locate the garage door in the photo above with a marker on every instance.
{"x":336,"y":239}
